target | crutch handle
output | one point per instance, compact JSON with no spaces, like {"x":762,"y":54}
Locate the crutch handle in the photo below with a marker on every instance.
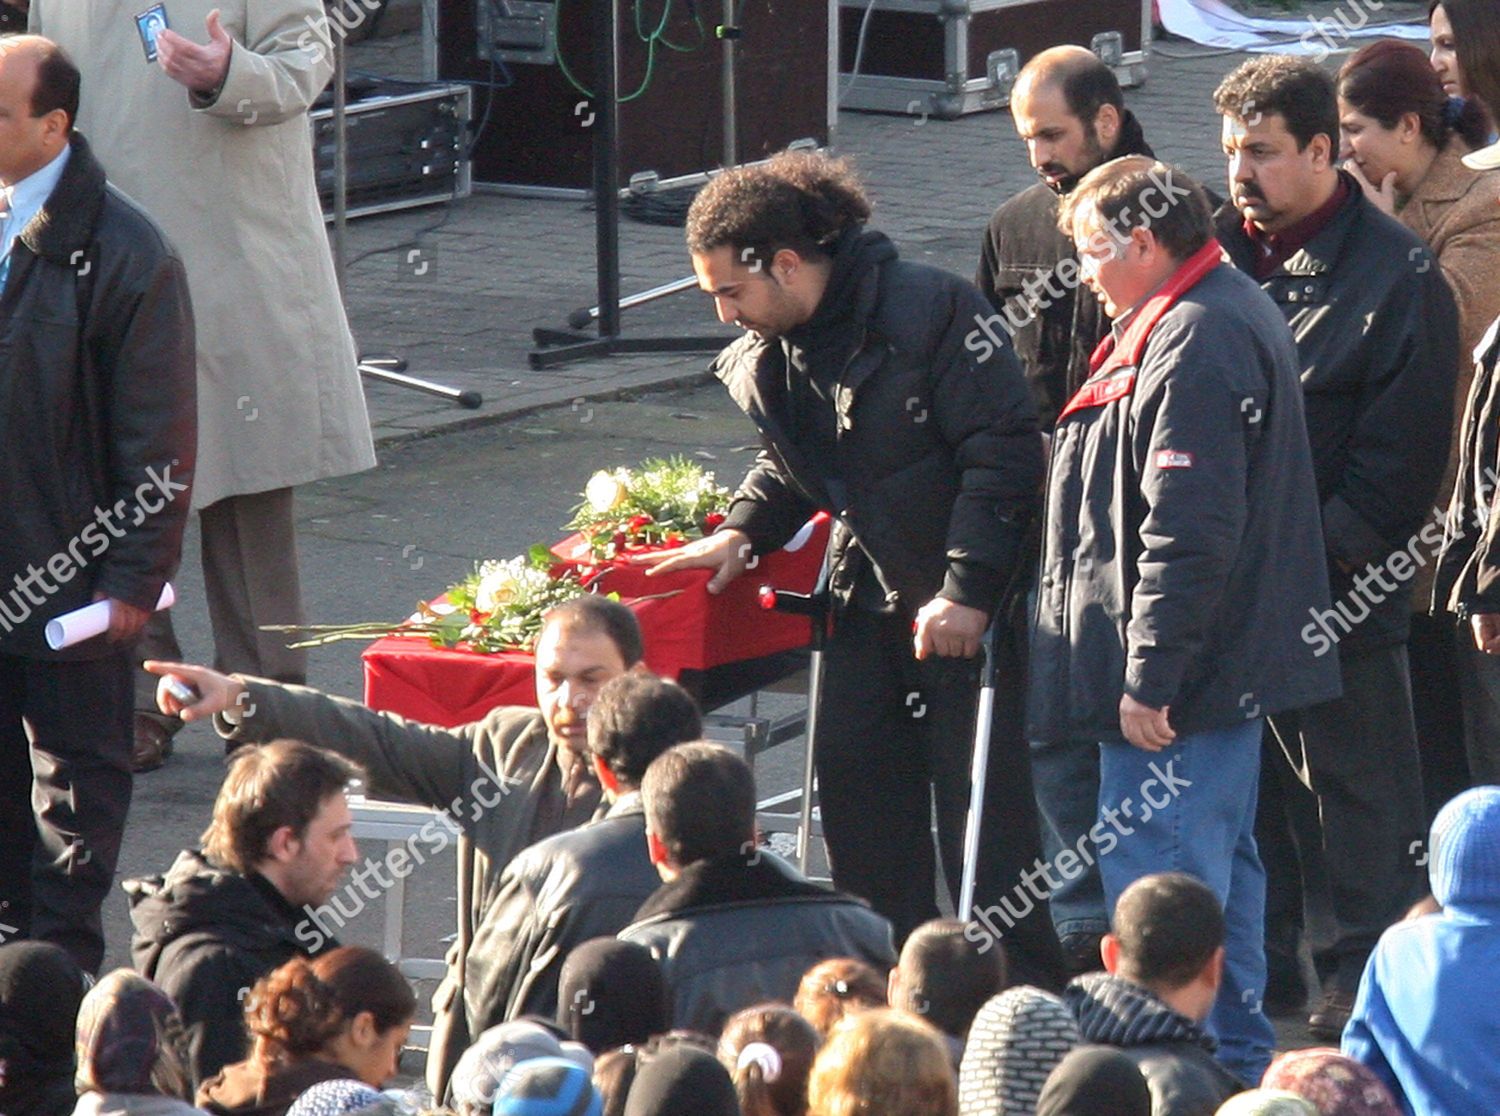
{"x":773,"y":599}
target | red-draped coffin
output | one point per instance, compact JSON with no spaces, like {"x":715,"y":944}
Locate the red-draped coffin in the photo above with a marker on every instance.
{"x":685,"y":628}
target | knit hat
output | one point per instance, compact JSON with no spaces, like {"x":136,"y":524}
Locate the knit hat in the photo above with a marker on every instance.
{"x":1333,"y":1083}
{"x":1095,"y":1081}
{"x":548,"y":1087}
{"x":611,"y":993}
{"x":682,"y":1081}
{"x":130,"y":1040}
{"x":1266,"y":1102}
{"x":40,"y":989}
{"x":476,"y":1078}
{"x":1016,"y":1040}
{"x":335,"y":1098}
{"x":1465,"y":848}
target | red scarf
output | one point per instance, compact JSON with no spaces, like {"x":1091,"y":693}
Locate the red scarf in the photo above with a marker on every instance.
{"x":1113,"y":365}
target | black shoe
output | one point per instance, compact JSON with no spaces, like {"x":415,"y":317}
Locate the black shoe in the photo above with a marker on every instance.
{"x":1286,"y":991}
{"x":1081,"y":953}
{"x":153,"y":744}
{"x":1332,"y":1015}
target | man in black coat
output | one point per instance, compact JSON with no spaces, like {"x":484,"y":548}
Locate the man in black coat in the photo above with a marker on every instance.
{"x":1377,"y":339}
{"x":879,"y":400}
{"x":733,"y":925}
{"x":224,"y":916}
{"x":586,"y":882}
{"x":1070,"y":112}
{"x":98,"y":433}
{"x":1181,"y":553}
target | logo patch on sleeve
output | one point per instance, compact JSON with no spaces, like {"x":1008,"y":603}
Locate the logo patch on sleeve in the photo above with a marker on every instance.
{"x":1173,"y":459}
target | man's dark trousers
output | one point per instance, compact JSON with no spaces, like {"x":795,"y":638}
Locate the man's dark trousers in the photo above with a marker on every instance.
{"x":1358,"y":754}
{"x":65,"y":785}
{"x":895,"y":737}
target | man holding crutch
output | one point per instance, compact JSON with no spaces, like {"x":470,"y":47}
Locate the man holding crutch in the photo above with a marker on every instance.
{"x":879,"y":401}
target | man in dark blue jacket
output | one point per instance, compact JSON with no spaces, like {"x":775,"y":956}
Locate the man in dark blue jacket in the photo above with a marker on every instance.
{"x":1377,"y":341}
{"x":1180,"y":556}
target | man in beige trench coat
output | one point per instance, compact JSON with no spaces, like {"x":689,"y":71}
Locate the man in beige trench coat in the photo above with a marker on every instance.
{"x":211,"y":137}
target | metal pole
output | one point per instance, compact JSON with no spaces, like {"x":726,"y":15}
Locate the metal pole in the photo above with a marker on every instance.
{"x":731,"y":136}
{"x":607,"y":164}
{"x":815,"y":694}
{"x":340,"y":161}
{"x":984,"y":718}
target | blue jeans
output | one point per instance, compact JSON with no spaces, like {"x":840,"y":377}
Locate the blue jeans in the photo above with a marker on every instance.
{"x":1066,"y":776}
{"x":1191,"y":808}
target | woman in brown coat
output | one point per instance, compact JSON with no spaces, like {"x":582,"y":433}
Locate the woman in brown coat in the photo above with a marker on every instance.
{"x":343,"y":1015}
{"x":1404,"y":139}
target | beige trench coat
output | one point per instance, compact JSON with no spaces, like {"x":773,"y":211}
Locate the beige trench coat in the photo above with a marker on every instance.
{"x":231,"y":182}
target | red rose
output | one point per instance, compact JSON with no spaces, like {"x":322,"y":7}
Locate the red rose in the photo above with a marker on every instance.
{"x":672,"y":542}
{"x":712,"y":521}
{"x":619,"y":540}
{"x":636,"y":522}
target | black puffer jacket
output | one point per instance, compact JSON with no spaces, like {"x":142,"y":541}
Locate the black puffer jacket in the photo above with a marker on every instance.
{"x":938,"y":465}
{"x":206,"y":936}
{"x":98,"y":411}
{"x":1377,"y":339}
{"x":554,"y":896}
{"x":1055,"y":326}
{"x":1173,"y":1053}
{"x":733,"y":932}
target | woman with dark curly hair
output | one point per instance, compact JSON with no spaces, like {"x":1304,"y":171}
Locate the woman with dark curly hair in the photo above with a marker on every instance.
{"x":344,"y":1014}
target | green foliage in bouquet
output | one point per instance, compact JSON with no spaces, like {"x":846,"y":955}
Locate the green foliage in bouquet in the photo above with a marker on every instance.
{"x":661,"y":502}
{"x":501,"y":604}
{"x":499,"y":607}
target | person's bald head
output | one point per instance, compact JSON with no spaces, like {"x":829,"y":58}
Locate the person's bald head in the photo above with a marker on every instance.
{"x":1068,"y":109}
{"x":38,"y":103}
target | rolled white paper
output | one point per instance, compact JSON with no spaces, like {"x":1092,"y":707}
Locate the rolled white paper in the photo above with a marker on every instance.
{"x":91,"y":620}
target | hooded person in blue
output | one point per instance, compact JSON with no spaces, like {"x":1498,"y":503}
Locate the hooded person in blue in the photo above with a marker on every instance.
{"x":1427,"y":1017}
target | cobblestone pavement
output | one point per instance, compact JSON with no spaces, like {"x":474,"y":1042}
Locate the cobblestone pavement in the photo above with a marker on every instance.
{"x":498,"y":266}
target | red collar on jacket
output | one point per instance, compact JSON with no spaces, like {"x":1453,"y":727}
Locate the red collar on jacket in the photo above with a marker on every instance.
{"x":1103,"y":387}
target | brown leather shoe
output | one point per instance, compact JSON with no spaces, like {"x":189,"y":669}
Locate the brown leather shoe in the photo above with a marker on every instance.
{"x":153,"y":744}
{"x":1328,"y":1020}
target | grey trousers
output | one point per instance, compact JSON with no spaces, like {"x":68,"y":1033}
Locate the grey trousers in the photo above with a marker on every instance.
{"x":250,"y":578}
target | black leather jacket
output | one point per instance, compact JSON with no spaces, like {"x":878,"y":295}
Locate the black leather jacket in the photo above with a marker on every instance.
{"x":1377,"y":338}
{"x":99,"y":421}
{"x":1173,"y":1053}
{"x":733,"y":932}
{"x":554,"y":896}
{"x":936,"y":447}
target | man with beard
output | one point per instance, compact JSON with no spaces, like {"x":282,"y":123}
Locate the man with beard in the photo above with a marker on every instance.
{"x":1069,"y":111}
{"x":878,"y":401}
{"x":470,"y":772}
{"x":1377,"y":336}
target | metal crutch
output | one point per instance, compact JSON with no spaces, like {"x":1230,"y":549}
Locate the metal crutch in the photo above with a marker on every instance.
{"x":984,"y":717}
{"x":813,"y":605}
